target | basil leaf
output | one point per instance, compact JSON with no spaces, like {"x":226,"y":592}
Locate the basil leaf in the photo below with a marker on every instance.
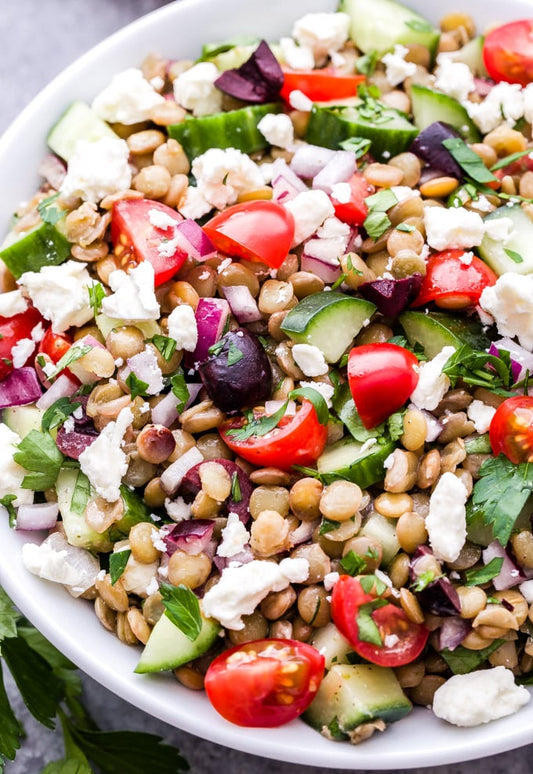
{"x":117,"y":564}
{"x":367,"y":630}
{"x":236,"y":495}
{"x":257,"y":427}
{"x":38,"y":453}
{"x":375,"y":224}
{"x":57,"y":413}
{"x":469,"y":161}
{"x":96,"y":296}
{"x":462,"y":660}
{"x":328,"y":525}
{"x":136,"y":386}
{"x":183,"y":609}
{"x":75,"y":352}
{"x":485,"y":574}
{"x":316,"y":398}
{"x":353,"y":564}
{"x":81,"y":494}
{"x":165,"y":345}
{"x":501,"y":163}
{"x":180,"y":389}
{"x":382,"y":200}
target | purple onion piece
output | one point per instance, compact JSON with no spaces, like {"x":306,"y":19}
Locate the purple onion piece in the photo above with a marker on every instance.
{"x":211,"y":315}
{"x":452,"y":632}
{"x":258,"y":80}
{"x":37,"y":516}
{"x":192,"y":536}
{"x":195,"y":240}
{"x":20,"y":387}
{"x":309,"y":160}
{"x":440,"y":598}
{"x":428,"y":146}
{"x":328,"y":272}
{"x":53,"y":170}
{"x":510,"y":574}
{"x":339,"y":169}
{"x":243,"y":557}
{"x":243,"y":304}
{"x":74,"y":443}
{"x":392,"y":296}
{"x":191,"y":485}
{"x":516,"y":367}
{"x":63,"y":387}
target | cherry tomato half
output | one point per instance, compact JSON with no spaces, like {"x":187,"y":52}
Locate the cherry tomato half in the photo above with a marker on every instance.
{"x":55,"y":345}
{"x":297,"y":440}
{"x":264,"y":683}
{"x":381,"y":377}
{"x":12,"y":330}
{"x":320,"y":85}
{"x":136,"y":238}
{"x":259,"y":230}
{"x":511,"y":429}
{"x":353,"y":209}
{"x":454,"y":280}
{"x":508,"y":52}
{"x":402,"y":640}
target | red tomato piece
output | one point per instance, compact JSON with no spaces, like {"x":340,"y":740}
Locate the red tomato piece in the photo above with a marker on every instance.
{"x":55,"y":345}
{"x":264,"y":683}
{"x":12,"y":330}
{"x":508,"y":52}
{"x":402,"y":640}
{"x":511,"y":429}
{"x":354,"y":210}
{"x":297,"y":440}
{"x":260,"y":230}
{"x":454,"y":282}
{"x":136,"y":239}
{"x":381,"y":376}
{"x":320,"y":85}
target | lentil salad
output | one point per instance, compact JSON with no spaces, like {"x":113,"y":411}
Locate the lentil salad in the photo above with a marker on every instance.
{"x":319,"y":482}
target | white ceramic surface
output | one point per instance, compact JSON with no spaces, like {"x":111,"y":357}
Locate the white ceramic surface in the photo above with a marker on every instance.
{"x":419,"y":740}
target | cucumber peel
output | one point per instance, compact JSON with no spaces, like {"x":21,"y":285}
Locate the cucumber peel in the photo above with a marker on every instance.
{"x":168,"y":647}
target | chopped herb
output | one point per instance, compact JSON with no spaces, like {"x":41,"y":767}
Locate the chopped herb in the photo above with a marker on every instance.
{"x":479,"y":368}
{"x":216,"y":349}
{"x":38,"y":453}
{"x":81,"y":494}
{"x":328,"y":525}
{"x":462,"y":660}
{"x":136,"y":386}
{"x":382,"y":200}
{"x":316,"y":398}
{"x":366,"y":64}
{"x":367,"y":630}
{"x":353,"y":564}
{"x":41,"y":360}
{"x":461,"y":195}
{"x":372,"y":553}
{"x":236,"y":495}
{"x":306,"y":471}
{"x":7,"y":501}
{"x":338,"y":282}
{"x":183,"y":609}
{"x":344,"y":359}
{"x":75,"y":352}
{"x":512,"y":157}
{"x":48,"y":213}
{"x":470,"y":162}
{"x":407,"y":227}
{"x":358,"y":145}
{"x":7,"y":361}
{"x":257,"y":426}
{"x":371,"y":584}
{"x":57,"y":413}
{"x":117,"y":564}
{"x":165,"y":345}
{"x":485,"y":574}
{"x":419,"y":25}
{"x":423,"y":580}
{"x":394,"y":425}
{"x":344,"y":405}
{"x":96,"y":296}
{"x":514,"y":256}
{"x":376,"y":223}
{"x":8,"y":617}
{"x":180,"y":389}
{"x":234,"y":354}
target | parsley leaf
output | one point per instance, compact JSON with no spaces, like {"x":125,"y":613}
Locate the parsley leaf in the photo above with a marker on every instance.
{"x":183,"y":609}
{"x":8,"y":617}
{"x":7,"y":501}
{"x":81,"y":494}
{"x":338,"y":282}
{"x":75,"y":352}
{"x":377,"y":222}
{"x":48,"y":213}
{"x":500,"y":493}
{"x":358,"y":145}
{"x":234,"y":354}
{"x":165,"y":345}
{"x":328,"y":525}
{"x":479,"y":368}
{"x":96,"y":296}
{"x":180,"y":389}
{"x":353,"y":564}
{"x":11,"y":730}
{"x":136,"y":386}
{"x":367,"y":630}
{"x":236,"y":495}
{"x":485,"y":574}
{"x":423,"y":580}
{"x":366,"y":64}
{"x":470,"y":162}
{"x":394,"y":425}
{"x":56,"y":414}
{"x":257,"y":426}
{"x":117,"y":564}
{"x":514,"y":256}
{"x":38,"y":453}
{"x":462,"y":660}
{"x":316,"y":398}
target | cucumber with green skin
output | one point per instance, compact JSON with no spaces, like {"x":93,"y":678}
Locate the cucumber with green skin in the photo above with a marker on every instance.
{"x":332,"y":644}
{"x":389,"y":131}
{"x":429,"y":106}
{"x":379,"y":25}
{"x":23,"y":419}
{"x":350,"y":460}
{"x":383,"y":532}
{"x":78,"y":122}
{"x":436,"y":330}
{"x":516,"y":253}
{"x":168,"y":647}
{"x":353,"y":694}
{"x":44,"y":246}
{"x":471,"y":54}
{"x":327,"y":320}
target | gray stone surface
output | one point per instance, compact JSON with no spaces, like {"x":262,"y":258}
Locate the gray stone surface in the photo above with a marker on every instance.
{"x":37,"y":40}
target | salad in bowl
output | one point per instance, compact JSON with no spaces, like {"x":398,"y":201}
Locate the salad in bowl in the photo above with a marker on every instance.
{"x":265,"y":356}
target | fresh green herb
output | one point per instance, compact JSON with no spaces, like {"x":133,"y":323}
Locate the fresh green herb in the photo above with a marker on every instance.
{"x":57,"y":413}
{"x":306,"y":471}
{"x":236,"y":495}
{"x":135,"y":510}
{"x":500,"y":493}
{"x":470,"y":162}
{"x":136,"y":386}
{"x":71,"y":355}
{"x":8,"y":618}
{"x":423,"y":580}
{"x":463,"y":194}
{"x":96,"y":296}
{"x":81,"y":494}
{"x":7,"y":501}
{"x":419,"y":25}
{"x":41,"y":360}
{"x":394,"y":425}
{"x":180,"y":389}
{"x":38,"y":453}
{"x":216,"y":349}
{"x":234,"y":354}
{"x":366,"y":64}
{"x":358,"y":145}
{"x":165,"y":345}
{"x":382,"y":200}
{"x":183,"y":609}
{"x":512,"y":157}
{"x":48,"y":213}
{"x":479,"y":368}
{"x":328,"y":525}
{"x":117,"y":564}
{"x":407,"y":227}
{"x":367,"y":630}
{"x":316,"y":398}
{"x":372,"y":553}
{"x":485,"y":574}
{"x":462,"y":660}
{"x":257,"y":426}
{"x":371,"y":584}
{"x":353,"y":564}
{"x":344,"y":405}
{"x":493,"y":601}
{"x":479,"y":445}
{"x":344,"y":359}
{"x":377,"y":222}
{"x":514,"y":256}
{"x":338,"y":282}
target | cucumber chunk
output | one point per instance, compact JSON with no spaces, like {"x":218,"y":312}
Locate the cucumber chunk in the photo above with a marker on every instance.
{"x":168,"y":647}
{"x":350,"y":695}
{"x":23,"y":419}
{"x":471,"y":54}
{"x":519,"y":244}
{"x":328,"y":320}
{"x":378,"y":25}
{"x":389,"y":130}
{"x":234,"y":129}
{"x":383,"y":531}
{"x":350,"y":460}
{"x":78,"y":122}
{"x":437,"y":330}
{"x":429,"y":106}
{"x":332,"y":644}
{"x":77,"y":530}
{"x":44,"y":246}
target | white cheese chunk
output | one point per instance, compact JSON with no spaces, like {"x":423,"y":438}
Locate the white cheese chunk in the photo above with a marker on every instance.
{"x":396,"y":68}
{"x":322,"y":32}
{"x":453,"y":228}
{"x":446,"y":520}
{"x":133,"y":296}
{"x":223,"y":174}
{"x":454,"y":78}
{"x":309,"y":210}
{"x":326,"y":390}
{"x":178,"y":509}
{"x":432,"y":383}
{"x":240,"y":589}
{"x":277,"y":129}
{"x":12,"y":302}
{"x":12,"y":472}
{"x":510,"y":302}
{"x":499,"y":229}
{"x":309,"y":359}
{"x":104,"y":461}
{"x":195,"y":89}
{"x":97,"y":169}
{"x":182,"y":327}
{"x":296,"y":57}
{"x":140,"y":578}
{"x":481,"y":415}
{"x":22,"y":351}
{"x":504,"y":103}
{"x":479,"y":697}
{"x":145,"y":362}
{"x":57,"y":561}
{"x":234,"y":537}
{"x":60,"y":294}
{"x":128,"y":99}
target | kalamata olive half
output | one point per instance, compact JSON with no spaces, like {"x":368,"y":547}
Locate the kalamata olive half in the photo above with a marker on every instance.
{"x":237,"y":373}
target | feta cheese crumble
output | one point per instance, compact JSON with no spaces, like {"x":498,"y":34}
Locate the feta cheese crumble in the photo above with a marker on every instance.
{"x":104,"y":461}
{"x":97,"y":169}
{"x":453,"y":228}
{"x":503,"y":104}
{"x":182,"y":327}
{"x":499,"y":229}
{"x":133,"y":296}
{"x":322,"y":32}
{"x":309,"y":359}
{"x":223,"y":174}
{"x":128,"y":99}
{"x":510,"y":302}
{"x":22,"y":351}
{"x":146,"y":362}
{"x":446,"y":520}
{"x":234,"y":537}
{"x":479,"y":697}
{"x":277,"y":129}
{"x":12,"y":303}
{"x":56,"y":560}
{"x":309,"y":210}
{"x":454,"y":78}
{"x":195,"y":89}
{"x":60,"y":294}
{"x":481,"y":415}
{"x":296,"y":57}
{"x":396,"y":68}
{"x":178,"y":509}
{"x":432,"y":383}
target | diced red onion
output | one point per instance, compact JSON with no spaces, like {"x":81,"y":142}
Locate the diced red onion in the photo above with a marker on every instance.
{"x":308,"y":160}
{"x":165,"y":412}
{"x":303,"y":532}
{"x":339,"y":169}
{"x":510,"y":574}
{"x":242,"y":303}
{"x":20,"y":387}
{"x":53,"y":170}
{"x":63,"y":387}
{"x":194,"y":240}
{"x":191,"y":536}
{"x":483,"y":86}
{"x":285,"y":183}
{"x":37,"y":516}
{"x":74,"y":443}
{"x":172,"y":477}
{"x":324,"y":269}
{"x":243,"y":557}
{"x":211,"y":317}
{"x":452,"y":632}
{"x":433,"y":425}
{"x":521,"y":359}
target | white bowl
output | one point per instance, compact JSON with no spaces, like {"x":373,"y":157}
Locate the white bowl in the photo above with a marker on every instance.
{"x":178,"y":30}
